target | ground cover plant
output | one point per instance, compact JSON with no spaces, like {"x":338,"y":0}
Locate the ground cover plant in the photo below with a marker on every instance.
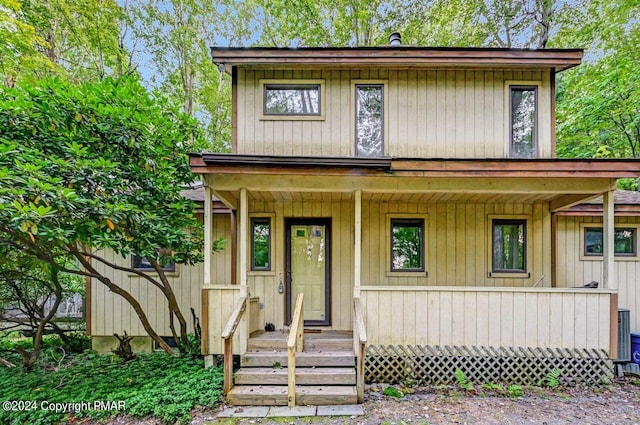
{"x":155,"y":384}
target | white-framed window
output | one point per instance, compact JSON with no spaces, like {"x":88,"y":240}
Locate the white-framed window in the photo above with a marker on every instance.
{"x":522,"y":101}
{"x":292,"y":99}
{"x":369,"y":112}
{"x":509,"y":246}
{"x":625,"y":241}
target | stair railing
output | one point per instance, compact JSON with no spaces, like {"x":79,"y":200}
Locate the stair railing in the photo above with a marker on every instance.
{"x":227,"y":334}
{"x":295,"y":342}
{"x":360,"y":342}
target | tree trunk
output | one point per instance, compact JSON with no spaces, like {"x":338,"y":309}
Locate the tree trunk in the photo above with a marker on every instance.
{"x":30,"y":358}
{"x":127,"y":296}
{"x":174,"y":308}
{"x":6,"y":363}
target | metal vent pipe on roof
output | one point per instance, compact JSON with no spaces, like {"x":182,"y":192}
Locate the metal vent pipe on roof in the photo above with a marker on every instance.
{"x":395,"y":39}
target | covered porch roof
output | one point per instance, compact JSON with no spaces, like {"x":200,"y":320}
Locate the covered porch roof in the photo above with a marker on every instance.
{"x":562,"y":182}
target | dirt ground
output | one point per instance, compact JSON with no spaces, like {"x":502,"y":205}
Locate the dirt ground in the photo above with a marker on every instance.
{"x":614,"y":404}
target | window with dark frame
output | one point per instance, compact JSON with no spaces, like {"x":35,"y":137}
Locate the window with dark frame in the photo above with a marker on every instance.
{"x":624,"y":242}
{"x":141,"y":263}
{"x":407,"y":245}
{"x":523,"y":129}
{"x":292,"y":99}
{"x":509,"y":246}
{"x":369,"y":120}
{"x":261,"y":244}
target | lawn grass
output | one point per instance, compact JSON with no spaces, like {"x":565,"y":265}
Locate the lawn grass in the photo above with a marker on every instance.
{"x":156,"y":384}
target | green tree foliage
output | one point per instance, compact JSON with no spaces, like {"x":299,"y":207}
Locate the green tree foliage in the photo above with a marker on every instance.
{"x":598,"y":102}
{"x":20,"y":44}
{"x":175,"y":34}
{"x":93,"y":167}
{"x":83,"y":37}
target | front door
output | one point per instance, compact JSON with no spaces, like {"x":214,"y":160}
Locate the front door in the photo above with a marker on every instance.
{"x":308,"y":269}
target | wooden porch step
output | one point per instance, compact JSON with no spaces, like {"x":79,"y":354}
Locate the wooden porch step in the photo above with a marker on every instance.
{"x":321,"y":341}
{"x":333,"y":358}
{"x":269,"y":395}
{"x":304,"y":376}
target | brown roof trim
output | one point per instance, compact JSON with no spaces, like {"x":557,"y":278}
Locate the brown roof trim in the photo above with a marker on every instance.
{"x":403,"y":56}
{"x":226,"y":160}
{"x":627,"y":203}
{"x":552,"y":167}
{"x":205,"y":163}
{"x":590,"y":210}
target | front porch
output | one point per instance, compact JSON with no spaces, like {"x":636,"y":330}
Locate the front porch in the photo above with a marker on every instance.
{"x":454,"y":310}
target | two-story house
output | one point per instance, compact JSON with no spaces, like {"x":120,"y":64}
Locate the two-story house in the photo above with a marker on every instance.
{"x":413,"y":197}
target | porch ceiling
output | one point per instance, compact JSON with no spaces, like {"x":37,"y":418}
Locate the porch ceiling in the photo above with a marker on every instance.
{"x":288,"y":196}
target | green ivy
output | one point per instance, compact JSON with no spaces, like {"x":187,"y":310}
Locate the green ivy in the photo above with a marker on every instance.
{"x":157,"y":385}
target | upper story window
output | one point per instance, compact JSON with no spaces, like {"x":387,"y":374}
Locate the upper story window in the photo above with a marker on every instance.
{"x":292,"y":99}
{"x":523,"y":121}
{"x":369,"y":128}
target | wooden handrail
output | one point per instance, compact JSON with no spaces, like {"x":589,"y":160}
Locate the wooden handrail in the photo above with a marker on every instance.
{"x":359,"y":321}
{"x":234,"y":319}
{"x":227,"y":334}
{"x":295,"y":342}
{"x":360,"y":332}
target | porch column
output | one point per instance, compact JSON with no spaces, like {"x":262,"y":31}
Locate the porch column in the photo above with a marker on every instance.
{"x":244,"y":228}
{"x":208,"y":232}
{"x":357,"y":255}
{"x":608,"y":251}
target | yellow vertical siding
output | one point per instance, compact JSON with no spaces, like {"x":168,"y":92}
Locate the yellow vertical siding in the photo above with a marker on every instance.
{"x":431,"y":114}
{"x":574,"y":271}
{"x":222,"y":300}
{"x":456,"y":243}
{"x":496,"y":317}
{"x":111,"y":314}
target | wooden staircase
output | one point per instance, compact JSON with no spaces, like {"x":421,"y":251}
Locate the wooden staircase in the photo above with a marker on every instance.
{"x":325,"y":371}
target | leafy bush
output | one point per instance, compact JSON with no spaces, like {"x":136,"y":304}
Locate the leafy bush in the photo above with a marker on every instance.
{"x":515,"y":391}
{"x":463,"y":381}
{"x":552,"y":379}
{"x":393,"y":392}
{"x":151,"y":385}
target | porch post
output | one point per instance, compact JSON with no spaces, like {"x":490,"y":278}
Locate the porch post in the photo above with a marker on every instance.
{"x":242,"y":254}
{"x":208,"y":232}
{"x":357,"y":255}
{"x":608,"y":251}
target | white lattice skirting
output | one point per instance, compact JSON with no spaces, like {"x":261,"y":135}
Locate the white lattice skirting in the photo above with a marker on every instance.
{"x":512,"y":365}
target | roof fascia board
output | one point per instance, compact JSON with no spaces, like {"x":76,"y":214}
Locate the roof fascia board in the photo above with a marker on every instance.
{"x":558,"y":59}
